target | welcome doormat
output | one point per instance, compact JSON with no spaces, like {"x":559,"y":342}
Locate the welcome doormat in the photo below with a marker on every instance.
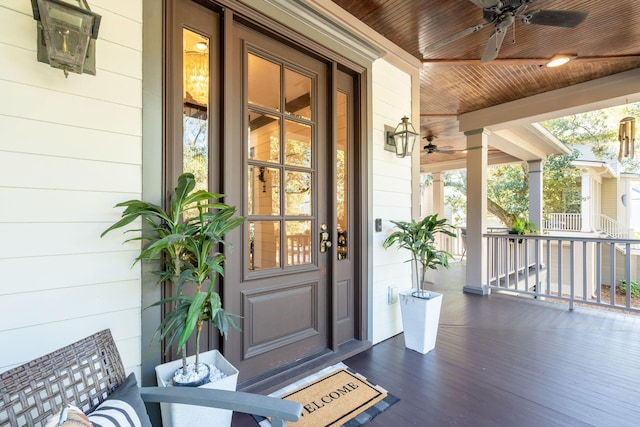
{"x":335,"y":396}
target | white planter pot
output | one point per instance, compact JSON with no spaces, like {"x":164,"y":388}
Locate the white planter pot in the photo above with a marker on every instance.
{"x":420,"y":319}
{"x":175,"y":415}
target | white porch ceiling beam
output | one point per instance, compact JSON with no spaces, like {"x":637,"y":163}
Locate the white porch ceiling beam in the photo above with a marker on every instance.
{"x":527,"y":142}
{"x":596,"y":94}
{"x":458,"y":164}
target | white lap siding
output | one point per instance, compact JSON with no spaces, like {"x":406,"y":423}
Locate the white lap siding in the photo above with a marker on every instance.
{"x":70,"y":149}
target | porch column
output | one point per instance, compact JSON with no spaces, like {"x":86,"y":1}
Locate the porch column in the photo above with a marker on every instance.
{"x":585,"y":208}
{"x":426,"y":199}
{"x":438,"y":194}
{"x":477,"y":141}
{"x":535,"y":193}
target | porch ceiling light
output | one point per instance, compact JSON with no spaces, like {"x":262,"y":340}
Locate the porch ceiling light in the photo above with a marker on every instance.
{"x":627,"y":137}
{"x":401,"y":139}
{"x":558,"y":60}
{"x":67,"y":31}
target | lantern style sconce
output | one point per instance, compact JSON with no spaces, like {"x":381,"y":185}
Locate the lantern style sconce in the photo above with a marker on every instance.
{"x":627,"y":138}
{"x":67,"y":33}
{"x":401,"y":139}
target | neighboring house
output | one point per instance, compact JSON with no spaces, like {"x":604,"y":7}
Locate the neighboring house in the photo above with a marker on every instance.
{"x":606,"y":211}
{"x":606,"y":195}
{"x":283,"y":74}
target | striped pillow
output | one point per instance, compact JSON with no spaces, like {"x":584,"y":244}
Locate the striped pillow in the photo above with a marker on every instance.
{"x":123,"y":408}
{"x":115,"y":413}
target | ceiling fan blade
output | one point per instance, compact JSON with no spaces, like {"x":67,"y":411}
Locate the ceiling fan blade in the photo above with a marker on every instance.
{"x":484,"y":3}
{"x":456,"y":36}
{"x":493,"y":46}
{"x":555,"y":18}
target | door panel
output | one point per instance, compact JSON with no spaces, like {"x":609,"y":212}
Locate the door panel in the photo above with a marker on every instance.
{"x":298,"y":322}
{"x":281,"y":289}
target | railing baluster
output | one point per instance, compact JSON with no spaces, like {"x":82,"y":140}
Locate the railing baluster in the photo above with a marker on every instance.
{"x":612,"y":273}
{"x":572,"y":274}
{"x":598,"y":272}
{"x":584,"y":271}
{"x":548,"y":267}
{"x":627,"y":268}
{"x":559,"y":268}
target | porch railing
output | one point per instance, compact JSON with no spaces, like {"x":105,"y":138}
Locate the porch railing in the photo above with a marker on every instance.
{"x":563,"y":222}
{"x":613,"y":228}
{"x":454,"y":245}
{"x":575,"y":270}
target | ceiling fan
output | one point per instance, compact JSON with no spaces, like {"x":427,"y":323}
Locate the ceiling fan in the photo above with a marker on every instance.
{"x":503,"y":13}
{"x":431,"y":148}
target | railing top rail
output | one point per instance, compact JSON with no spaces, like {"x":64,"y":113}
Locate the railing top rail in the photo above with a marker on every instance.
{"x":564,"y":238}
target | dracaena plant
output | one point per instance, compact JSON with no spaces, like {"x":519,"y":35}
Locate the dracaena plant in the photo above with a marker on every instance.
{"x":419,"y":238}
{"x":187,"y":238}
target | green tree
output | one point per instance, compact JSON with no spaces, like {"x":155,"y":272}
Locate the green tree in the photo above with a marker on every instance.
{"x":599,"y":129}
{"x":560,"y":184}
{"x":508,"y":187}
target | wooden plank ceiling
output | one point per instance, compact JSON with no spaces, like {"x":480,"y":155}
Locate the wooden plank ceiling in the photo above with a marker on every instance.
{"x":453,"y":81}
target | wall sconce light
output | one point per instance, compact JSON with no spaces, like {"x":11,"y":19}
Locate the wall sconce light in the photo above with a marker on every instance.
{"x":401,"y":139}
{"x":67,"y":32}
{"x":627,"y":137}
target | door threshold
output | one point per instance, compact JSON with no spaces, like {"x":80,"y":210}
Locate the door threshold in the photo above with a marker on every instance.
{"x":280,"y":377}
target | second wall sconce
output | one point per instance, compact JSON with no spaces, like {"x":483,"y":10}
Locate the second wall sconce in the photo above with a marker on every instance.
{"x":401,"y":139}
{"x":67,"y":32}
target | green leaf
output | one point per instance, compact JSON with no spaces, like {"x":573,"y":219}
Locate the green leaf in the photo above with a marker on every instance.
{"x":195,"y":309}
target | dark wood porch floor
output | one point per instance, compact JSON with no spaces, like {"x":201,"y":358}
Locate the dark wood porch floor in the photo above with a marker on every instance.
{"x":506,"y":361}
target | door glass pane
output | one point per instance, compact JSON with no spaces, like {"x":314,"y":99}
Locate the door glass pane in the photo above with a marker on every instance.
{"x":264,"y":190}
{"x":264,"y":137}
{"x":342,"y":193}
{"x":298,"y":248}
{"x":279,"y":161}
{"x":195,"y":133}
{"x":297,"y":144}
{"x":297,"y":94}
{"x":264,"y":245}
{"x":263,"y":82}
{"x":297,"y":192}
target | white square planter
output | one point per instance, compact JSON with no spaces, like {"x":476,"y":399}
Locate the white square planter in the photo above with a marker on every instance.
{"x":175,"y":415}
{"x":420,"y":320}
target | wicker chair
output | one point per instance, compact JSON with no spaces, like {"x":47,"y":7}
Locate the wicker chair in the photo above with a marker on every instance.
{"x":87,"y":371}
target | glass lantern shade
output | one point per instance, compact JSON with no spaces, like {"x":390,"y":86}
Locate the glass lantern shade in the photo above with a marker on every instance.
{"x":67,"y":28}
{"x":404,"y":137}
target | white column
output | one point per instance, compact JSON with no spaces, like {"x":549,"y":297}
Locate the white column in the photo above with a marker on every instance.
{"x":426,"y":205}
{"x":476,"y":211}
{"x":535,"y":193}
{"x":438,"y":194}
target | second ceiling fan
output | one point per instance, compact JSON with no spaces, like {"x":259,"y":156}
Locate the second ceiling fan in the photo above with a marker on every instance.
{"x":502,"y":14}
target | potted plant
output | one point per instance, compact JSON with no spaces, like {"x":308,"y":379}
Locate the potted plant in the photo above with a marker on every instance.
{"x":421,"y":308}
{"x":521,"y":227}
{"x":187,"y":237}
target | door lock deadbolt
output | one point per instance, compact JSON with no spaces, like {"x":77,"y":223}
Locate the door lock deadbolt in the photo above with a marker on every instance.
{"x":325,"y":239}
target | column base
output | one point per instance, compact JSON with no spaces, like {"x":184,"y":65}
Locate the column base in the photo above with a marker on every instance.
{"x":483,"y":290}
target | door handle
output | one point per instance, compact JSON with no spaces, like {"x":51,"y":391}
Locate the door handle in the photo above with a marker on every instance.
{"x":325,"y":239}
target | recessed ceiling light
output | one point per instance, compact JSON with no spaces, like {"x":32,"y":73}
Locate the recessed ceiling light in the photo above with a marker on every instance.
{"x":558,"y":60}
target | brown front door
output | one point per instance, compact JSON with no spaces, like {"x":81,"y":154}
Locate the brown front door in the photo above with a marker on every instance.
{"x":281,"y":290}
